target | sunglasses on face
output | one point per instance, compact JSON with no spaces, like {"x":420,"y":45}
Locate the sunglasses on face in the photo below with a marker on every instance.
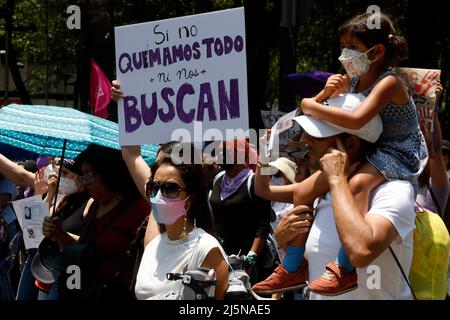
{"x":168,"y":189}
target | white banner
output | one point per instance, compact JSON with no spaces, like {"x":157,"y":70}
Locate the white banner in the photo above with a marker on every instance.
{"x":179,"y":71}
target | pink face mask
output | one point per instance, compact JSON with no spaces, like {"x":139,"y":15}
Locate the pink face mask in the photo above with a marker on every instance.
{"x":167,"y":210}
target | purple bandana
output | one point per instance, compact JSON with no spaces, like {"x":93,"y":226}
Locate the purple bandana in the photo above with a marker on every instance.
{"x":231,"y":185}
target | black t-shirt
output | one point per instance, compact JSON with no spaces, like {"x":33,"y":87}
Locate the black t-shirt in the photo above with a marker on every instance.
{"x":240,"y":218}
{"x":71,"y":212}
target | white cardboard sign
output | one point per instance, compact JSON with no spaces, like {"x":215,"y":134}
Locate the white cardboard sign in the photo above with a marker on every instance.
{"x":30,"y":213}
{"x":177,"y":72}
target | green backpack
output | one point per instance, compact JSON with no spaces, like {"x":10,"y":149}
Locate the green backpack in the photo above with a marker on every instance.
{"x":428,"y":274}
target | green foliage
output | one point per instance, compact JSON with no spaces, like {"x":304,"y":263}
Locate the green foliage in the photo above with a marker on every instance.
{"x":317,"y":40}
{"x":317,"y":44}
{"x":31,"y":45}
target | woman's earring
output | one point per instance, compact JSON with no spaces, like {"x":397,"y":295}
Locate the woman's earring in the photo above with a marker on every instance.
{"x":183,"y":235}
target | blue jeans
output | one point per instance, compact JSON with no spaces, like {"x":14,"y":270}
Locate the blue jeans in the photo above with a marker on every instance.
{"x":52,"y":295}
{"x":6,"y":290}
{"x":27,"y":290}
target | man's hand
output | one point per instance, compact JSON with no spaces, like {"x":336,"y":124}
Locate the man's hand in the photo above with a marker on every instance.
{"x":334,"y":163}
{"x":296,"y":221}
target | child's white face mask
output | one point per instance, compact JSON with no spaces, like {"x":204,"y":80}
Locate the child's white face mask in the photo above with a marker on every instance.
{"x":355,"y":63}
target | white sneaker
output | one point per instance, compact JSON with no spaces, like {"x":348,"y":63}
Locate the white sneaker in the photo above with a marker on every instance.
{"x":236,"y":286}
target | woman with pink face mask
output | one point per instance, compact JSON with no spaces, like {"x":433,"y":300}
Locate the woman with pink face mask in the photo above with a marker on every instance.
{"x":183,"y":242}
{"x":368,"y":56}
{"x":177,"y":232}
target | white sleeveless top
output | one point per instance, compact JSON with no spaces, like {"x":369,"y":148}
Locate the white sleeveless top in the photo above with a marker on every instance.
{"x":163,"y":255}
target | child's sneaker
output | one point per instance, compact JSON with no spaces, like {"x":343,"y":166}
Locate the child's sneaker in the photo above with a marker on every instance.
{"x":281,"y":280}
{"x":334,"y":281}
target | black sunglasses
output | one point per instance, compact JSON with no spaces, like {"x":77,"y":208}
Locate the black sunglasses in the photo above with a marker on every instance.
{"x":168,"y":189}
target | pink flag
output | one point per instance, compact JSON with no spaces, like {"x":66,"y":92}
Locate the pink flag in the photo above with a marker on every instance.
{"x":100,"y":91}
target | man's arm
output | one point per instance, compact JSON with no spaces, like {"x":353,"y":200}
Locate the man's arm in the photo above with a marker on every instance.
{"x":363,"y":238}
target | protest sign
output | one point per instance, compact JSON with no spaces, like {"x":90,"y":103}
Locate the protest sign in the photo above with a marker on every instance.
{"x":282,"y":129}
{"x":30,"y":213}
{"x":179,"y":73}
{"x":423,"y":85}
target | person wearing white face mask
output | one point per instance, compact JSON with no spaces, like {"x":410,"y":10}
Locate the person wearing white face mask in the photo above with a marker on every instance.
{"x":179,"y":203}
{"x":68,"y":183}
{"x":111,"y":217}
{"x":400,"y":153}
{"x":68,"y":215}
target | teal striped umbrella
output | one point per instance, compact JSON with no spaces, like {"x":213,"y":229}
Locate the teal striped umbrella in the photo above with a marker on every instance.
{"x":43,"y":129}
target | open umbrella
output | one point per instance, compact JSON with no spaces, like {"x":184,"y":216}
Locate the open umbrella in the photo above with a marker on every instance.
{"x":43,"y":130}
{"x":14,"y":153}
{"x":61,"y":132}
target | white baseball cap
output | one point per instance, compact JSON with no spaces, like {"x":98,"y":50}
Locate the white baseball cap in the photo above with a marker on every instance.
{"x":350,"y":101}
{"x":288,"y":167}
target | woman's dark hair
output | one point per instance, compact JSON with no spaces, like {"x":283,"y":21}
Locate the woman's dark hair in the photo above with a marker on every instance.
{"x":72,"y":165}
{"x":109,"y":165}
{"x":195,"y":187}
{"x":358,"y":27}
{"x":167,"y":147}
{"x":30,"y":166}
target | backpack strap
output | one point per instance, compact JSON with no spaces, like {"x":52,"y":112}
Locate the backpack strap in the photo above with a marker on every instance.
{"x":403,"y":272}
{"x":217,"y":177}
{"x":249,"y":184}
